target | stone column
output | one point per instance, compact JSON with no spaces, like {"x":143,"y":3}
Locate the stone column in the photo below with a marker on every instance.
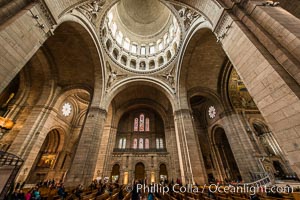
{"x":273,"y":85}
{"x":190,"y":159}
{"x":84,"y":163}
{"x":241,"y":146}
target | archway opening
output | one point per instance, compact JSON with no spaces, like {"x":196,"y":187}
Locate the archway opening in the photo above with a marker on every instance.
{"x":47,"y":158}
{"x":139,"y":172}
{"x":163,"y":173}
{"x":115,"y":173}
{"x":226,"y":157}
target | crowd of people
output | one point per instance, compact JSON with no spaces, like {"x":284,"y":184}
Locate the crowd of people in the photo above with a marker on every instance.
{"x":100,"y":187}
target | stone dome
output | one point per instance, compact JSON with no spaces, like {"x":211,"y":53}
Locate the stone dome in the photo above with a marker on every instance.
{"x":141,"y":35}
{"x":144,"y":19}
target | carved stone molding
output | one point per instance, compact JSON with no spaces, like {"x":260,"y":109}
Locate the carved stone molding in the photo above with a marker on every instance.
{"x":113,"y":75}
{"x":223,"y":26}
{"x":187,"y":15}
{"x":43,"y":8}
{"x":91,"y":9}
{"x":169,"y":77}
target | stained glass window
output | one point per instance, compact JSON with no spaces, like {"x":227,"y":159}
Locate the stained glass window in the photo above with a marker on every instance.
{"x":120,"y":143}
{"x":136,"y":124}
{"x":142,"y":122}
{"x":161,"y":143}
{"x":124,"y":143}
{"x":134,"y":143}
{"x":146,"y":143}
{"x":147,"y":124}
{"x":141,"y":143}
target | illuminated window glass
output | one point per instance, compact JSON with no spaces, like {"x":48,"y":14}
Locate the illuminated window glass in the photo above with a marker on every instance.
{"x":110,"y":17}
{"x":157,"y":143}
{"x":120,"y":143}
{"x":126,"y":44}
{"x":136,"y":124}
{"x":147,"y":124}
{"x":133,"y":48}
{"x":119,"y":37}
{"x":160,"y":46}
{"x":141,"y":143}
{"x":114,"y":29}
{"x":134,"y":143}
{"x":146,"y":143}
{"x":143,"y":50}
{"x":152,"y":49}
{"x":161,"y":143}
{"x":142,"y":122}
{"x":124,"y":143}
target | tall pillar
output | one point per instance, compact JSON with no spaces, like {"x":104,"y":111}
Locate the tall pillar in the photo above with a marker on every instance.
{"x":84,"y":163}
{"x":191,"y":164}
{"x":241,"y":146}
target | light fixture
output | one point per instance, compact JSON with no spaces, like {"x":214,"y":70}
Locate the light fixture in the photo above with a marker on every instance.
{"x":6,"y":123}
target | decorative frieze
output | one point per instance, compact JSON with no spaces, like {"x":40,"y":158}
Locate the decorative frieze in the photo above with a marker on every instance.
{"x":91,"y":9}
{"x":43,"y":8}
{"x":223,"y":26}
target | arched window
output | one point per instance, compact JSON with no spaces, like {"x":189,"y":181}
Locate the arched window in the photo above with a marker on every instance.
{"x":146,"y":143}
{"x":142,"y":122}
{"x":120,"y":143}
{"x":141,"y":143}
{"x":159,"y":143}
{"x":126,"y":44}
{"x":136,"y":124}
{"x":147,"y":124}
{"x":124,"y":143}
{"x":152,"y":49}
{"x":134,"y":143}
{"x":143,"y":50}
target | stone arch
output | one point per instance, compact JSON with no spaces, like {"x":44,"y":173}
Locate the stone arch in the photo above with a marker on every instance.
{"x":90,"y":37}
{"x":115,"y":172}
{"x":154,"y":83}
{"x":191,"y":73}
{"x":226,"y":159}
{"x":140,"y":171}
{"x":48,"y":156}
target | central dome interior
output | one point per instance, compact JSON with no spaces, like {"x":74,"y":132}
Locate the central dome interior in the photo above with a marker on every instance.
{"x":145,"y":18}
{"x":141,"y":35}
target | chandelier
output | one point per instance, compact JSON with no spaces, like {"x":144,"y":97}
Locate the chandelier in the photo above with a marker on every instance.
{"x":6,"y":123}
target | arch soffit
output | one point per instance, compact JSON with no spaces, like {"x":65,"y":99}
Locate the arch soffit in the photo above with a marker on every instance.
{"x":145,"y":104}
{"x":62,"y":134}
{"x":100,"y":69}
{"x":208,"y":93}
{"x":133,"y":81}
{"x":260,"y":122}
{"x":212,"y":133}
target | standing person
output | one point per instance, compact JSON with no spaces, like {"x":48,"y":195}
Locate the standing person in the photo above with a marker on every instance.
{"x":78,"y":191}
{"x":28,"y":195}
{"x":150,"y":196}
{"x":61,"y":192}
{"x":36,"y":194}
{"x":135,"y":192}
{"x":120,"y":194}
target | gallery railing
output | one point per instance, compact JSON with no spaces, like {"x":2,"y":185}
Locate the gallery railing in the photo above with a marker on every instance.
{"x":9,"y":167}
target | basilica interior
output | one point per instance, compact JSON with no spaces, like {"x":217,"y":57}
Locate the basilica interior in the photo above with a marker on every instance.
{"x":155,"y":90}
